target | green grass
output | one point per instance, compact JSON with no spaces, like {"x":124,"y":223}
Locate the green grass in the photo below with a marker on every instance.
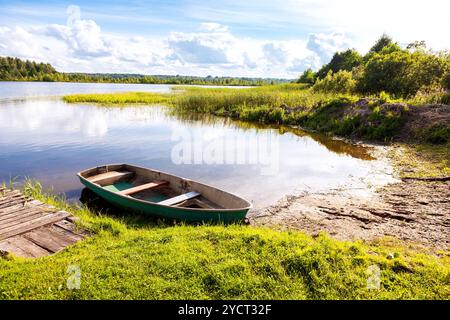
{"x":131,"y":258}
{"x":118,"y":98}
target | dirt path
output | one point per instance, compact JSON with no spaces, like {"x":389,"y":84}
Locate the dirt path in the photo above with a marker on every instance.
{"x":412,"y":210}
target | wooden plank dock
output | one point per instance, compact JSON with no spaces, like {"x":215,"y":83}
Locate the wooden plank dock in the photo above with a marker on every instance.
{"x":31,"y":229}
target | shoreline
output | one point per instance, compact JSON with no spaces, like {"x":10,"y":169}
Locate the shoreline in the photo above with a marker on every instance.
{"x":411,"y":210}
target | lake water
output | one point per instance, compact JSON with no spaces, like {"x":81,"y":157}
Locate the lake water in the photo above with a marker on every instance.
{"x":44,"y":138}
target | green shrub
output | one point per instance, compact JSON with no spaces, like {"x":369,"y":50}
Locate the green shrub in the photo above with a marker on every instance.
{"x":325,"y":118}
{"x":275,"y":115}
{"x":400,"y":72}
{"x":446,"y":99}
{"x":308,"y":77}
{"x":446,"y":78}
{"x":432,"y":94}
{"x":339,"y":82}
{"x":383,"y":42}
{"x":436,"y":134}
{"x":346,"y":60}
{"x":348,"y":126}
{"x":385,"y":73}
{"x":387,"y":67}
{"x":258,"y":114}
{"x":382,"y":125}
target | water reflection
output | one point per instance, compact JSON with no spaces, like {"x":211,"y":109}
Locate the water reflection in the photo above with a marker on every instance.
{"x":333,"y":144}
{"x":36,"y":116}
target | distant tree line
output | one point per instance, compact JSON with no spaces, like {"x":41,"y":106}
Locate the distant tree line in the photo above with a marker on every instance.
{"x":15,"y":69}
{"x":400,"y":72}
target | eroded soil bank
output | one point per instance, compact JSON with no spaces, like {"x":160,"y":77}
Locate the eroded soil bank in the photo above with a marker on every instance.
{"x":415,"y":209}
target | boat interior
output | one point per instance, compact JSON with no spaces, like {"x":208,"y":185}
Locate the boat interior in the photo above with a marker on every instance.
{"x":161,"y":188}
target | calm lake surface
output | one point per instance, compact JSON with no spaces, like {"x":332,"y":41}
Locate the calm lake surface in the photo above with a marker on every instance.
{"x":44,"y":138}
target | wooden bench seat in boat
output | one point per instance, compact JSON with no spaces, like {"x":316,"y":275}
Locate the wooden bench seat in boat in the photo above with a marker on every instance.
{"x":110,"y":177}
{"x":180,"y":198}
{"x":143,"y":187}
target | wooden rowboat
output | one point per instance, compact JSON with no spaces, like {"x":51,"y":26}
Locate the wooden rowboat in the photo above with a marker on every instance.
{"x":163,"y":195}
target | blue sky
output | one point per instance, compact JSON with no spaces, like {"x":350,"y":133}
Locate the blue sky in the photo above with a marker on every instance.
{"x":236,"y":38}
{"x":247,"y":18}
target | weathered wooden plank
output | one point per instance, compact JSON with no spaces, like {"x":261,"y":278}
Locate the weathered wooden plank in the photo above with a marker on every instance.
{"x":72,"y":219}
{"x":10,"y":193}
{"x":22,"y":247}
{"x":7,"y":199}
{"x":27,"y":216}
{"x":11,"y":202}
{"x":12,"y":208}
{"x":20,"y":214}
{"x":147,"y":186}
{"x":48,"y":239}
{"x":66,"y":234}
{"x":21,"y":206}
{"x":71,"y":227}
{"x":66,"y":224}
{"x":30,"y":228}
{"x":33,"y":224}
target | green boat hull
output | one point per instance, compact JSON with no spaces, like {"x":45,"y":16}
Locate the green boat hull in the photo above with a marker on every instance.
{"x":167,"y":212}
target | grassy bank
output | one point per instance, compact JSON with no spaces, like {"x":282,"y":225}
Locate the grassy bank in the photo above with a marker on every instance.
{"x":133,"y":258}
{"x":377,"y":118}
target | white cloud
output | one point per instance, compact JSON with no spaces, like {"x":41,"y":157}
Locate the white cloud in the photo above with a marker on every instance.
{"x":213,"y":27}
{"x":201,"y":48}
{"x":325,"y":45}
{"x":20,"y":42}
{"x":275,"y":53}
{"x":74,"y":14}
{"x":310,"y":62}
{"x":81,"y":46}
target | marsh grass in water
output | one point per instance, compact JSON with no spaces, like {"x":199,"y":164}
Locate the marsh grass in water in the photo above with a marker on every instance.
{"x":118,"y":98}
{"x":130,"y":258}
